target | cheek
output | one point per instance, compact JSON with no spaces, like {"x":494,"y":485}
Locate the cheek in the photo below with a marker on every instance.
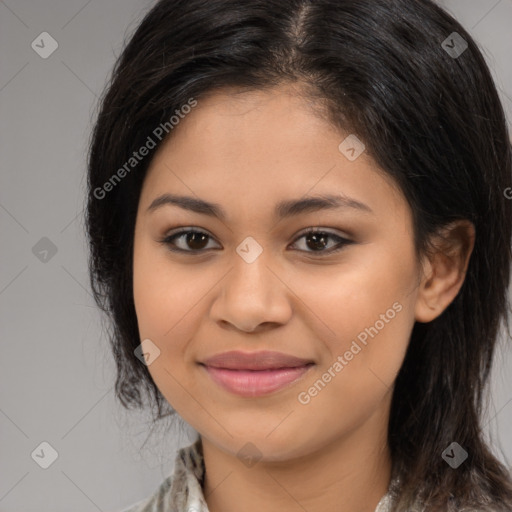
{"x":365,"y":314}
{"x":352,"y":382}
{"x":344,"y":300}
{"x":164,"y":301}
{"x":163,"y":295}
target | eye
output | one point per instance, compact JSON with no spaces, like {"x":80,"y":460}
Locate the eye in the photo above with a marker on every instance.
{"x":318,"y":240}
{"x":190,"y":238}
{"x":195,"y":241}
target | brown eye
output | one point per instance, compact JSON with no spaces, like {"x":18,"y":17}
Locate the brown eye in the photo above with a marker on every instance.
{"x":191,"y":241}
{"x":194,"y":242}
{"x":317,"y":241}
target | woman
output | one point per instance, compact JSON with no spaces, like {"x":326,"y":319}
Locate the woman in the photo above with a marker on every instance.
{"x":299,"y":226}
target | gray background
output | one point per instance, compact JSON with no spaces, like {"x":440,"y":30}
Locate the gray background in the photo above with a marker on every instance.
{"x":56,"y":371}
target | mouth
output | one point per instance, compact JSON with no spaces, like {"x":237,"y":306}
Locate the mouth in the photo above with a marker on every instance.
{"x":256,"y":374}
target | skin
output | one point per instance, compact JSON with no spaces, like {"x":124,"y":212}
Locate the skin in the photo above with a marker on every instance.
{"x":247,"y":152}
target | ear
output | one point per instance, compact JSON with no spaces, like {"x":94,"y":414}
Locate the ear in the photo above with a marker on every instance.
{"x":444,"y":270}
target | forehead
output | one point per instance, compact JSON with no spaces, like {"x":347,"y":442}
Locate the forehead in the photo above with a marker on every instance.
{"x":253,"y":149}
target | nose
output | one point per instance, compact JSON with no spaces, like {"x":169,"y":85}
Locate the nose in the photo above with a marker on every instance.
{"x":252,"y":296}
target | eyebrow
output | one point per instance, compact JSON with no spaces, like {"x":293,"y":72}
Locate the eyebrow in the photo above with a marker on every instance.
{"x":283,"y":209}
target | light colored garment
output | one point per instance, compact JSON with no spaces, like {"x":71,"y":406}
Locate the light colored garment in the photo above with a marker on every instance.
{"x":182,"y":491}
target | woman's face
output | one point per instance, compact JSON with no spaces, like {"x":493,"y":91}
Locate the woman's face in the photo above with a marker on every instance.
{"x":253,"y":280}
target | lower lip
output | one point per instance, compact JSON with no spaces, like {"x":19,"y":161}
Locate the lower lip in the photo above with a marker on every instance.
{"x":251,"y":383}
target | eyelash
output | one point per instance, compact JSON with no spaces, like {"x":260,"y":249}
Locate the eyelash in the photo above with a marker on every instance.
{"x":342,"y":242}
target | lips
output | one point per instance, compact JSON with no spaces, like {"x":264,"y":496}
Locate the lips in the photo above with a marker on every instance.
{"x":255,"y":374}
{"x":264,"y":360}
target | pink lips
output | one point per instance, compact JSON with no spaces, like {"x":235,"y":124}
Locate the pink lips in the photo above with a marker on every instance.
{"x":254,"y":374}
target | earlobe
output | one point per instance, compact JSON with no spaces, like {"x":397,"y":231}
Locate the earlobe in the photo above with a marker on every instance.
{"x":444,"y":270}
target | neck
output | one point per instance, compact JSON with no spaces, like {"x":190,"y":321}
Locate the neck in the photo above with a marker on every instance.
{"x":349,"y":474}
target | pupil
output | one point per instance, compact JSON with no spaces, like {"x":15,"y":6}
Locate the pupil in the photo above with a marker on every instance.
{"x":317,"y":239}
{"x":193,"y":238}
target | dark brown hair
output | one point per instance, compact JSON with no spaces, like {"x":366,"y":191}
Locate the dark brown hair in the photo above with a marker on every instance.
{"x":432,"y":121}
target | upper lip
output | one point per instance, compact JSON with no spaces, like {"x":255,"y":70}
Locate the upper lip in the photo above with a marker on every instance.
{"x":265,"y":360}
